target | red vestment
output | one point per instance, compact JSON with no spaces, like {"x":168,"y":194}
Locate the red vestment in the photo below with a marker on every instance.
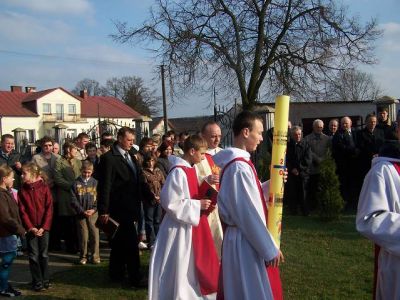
{"x":205,"y":254}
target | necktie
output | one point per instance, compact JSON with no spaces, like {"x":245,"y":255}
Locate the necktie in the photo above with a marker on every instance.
{"x":128,"y":160}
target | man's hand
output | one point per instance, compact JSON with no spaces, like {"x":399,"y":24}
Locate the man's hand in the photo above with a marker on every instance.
{"x":295,"y":172}
{"x":89,"y":212}
{"x":276,"y":260}
{"x":205,"y":204}
{"x":213,"y":179}
{"x":40,"y":232}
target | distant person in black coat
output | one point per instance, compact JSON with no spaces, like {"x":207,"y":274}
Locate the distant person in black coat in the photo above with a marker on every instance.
{"x":119,"y":197}
{"x":298,"y":163}
{"x":369,"y":141}
{"x":385,"y":124}
{"x":345,"y":152}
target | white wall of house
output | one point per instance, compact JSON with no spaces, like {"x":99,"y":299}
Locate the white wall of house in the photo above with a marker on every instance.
{"x":59,"y":97}
{"x":8,"y":124}
{"x":299,"y":111}
{"x":58,"y":107}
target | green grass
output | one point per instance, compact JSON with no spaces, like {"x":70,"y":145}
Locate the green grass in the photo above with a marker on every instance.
{"x":89,"y":282}
{"x":325,"y":260}
{"x":322,"y":261}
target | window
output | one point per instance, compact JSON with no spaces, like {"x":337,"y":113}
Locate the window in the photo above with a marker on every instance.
{"x":71,"y":133}
{"x":31,"y":135}
{"x":46,"y":108}
{"x":72,"y":109}
{"x":59,"y":112}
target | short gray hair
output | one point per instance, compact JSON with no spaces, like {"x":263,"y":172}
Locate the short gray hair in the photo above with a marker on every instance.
{"x":318,"y":121}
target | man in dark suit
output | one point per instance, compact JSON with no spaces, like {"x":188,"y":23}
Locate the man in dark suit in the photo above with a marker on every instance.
{"x":345,"y":153}
{"x":298,"y":163}
{"x":119,"y":198}
{"x":369,"y":141}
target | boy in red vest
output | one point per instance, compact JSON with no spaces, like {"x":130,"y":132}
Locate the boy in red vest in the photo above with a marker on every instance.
{"x":184,"y":263}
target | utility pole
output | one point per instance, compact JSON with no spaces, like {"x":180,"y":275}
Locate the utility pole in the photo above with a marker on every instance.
{"x":164,"y":100}
{"x":215,"y":106}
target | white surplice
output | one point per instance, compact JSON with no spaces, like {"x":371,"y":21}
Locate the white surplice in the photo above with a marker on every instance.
{"x":172,"y":270}
{"x":378,"y":218}
{"x":247,"y":243}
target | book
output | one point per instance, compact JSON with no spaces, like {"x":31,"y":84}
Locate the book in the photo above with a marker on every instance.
{"x":110,"y":228}
{"x":207,"y":191}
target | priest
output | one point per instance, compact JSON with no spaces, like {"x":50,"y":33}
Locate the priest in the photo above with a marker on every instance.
{"x":208,"y":171}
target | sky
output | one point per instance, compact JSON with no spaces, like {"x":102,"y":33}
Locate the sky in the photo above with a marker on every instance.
{"x":55,"y":43}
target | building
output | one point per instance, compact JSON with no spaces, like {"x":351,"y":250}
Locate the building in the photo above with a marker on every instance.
{"x":191,"y":125}
{"x":31,"y":114}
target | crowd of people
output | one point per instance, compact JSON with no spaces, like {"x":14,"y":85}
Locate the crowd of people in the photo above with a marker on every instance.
{"x":352,"y":150}
{"x":162,"y":196}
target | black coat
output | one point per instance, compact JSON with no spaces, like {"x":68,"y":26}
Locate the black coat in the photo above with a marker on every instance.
{"x":344,"y":149}
{"x":298,"y":156}
{"x":119,"y":187}
{"x":369,"y":143}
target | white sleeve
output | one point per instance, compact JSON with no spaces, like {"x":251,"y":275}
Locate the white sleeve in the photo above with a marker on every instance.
{"x":175,"y":199}
{"x":376,"y":216}
{"x":243,"y":203}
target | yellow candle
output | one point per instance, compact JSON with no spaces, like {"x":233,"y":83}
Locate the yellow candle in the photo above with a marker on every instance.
{"x":275,"y":200}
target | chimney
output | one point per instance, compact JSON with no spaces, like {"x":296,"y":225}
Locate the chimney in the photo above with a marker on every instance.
{"x":30,"y":89}
{"x":16,"y":88}
{"x":84,"y":94}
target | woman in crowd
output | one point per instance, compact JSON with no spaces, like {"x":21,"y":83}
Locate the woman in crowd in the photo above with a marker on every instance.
{"x":165,"y":150}
{"x":66,"y":172}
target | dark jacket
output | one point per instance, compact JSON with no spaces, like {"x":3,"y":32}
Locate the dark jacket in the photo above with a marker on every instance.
{"x":344,"y":149}
{"x":36,"y":205}
{"x":119,"y":188}
{"x":65,"y":175}
{"x":369,"y":143}
{"x":163,"y":165}
{"x":10,"y":161}
{"x":10,"y":222}
{"x":84,"y":195}
{"x":298,"y":156}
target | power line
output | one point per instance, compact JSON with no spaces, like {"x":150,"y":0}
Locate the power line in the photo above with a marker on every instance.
{"x":47,"y":56}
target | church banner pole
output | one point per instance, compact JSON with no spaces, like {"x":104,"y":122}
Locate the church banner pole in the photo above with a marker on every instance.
{"x":279,"y":144}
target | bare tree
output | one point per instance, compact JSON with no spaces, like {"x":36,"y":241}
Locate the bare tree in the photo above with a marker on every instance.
{"x":92,"y":87}
{"x":286,"y":46}
{"x":353,"y":85}
{"x":134,"y":93}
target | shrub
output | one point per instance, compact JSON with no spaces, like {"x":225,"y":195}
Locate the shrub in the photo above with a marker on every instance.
{"x":330,"y":201}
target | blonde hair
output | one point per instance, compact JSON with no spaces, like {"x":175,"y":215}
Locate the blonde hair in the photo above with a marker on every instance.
{"x":5,"y":171}
{"x":87,"y":165}
{"x":34,"y":169}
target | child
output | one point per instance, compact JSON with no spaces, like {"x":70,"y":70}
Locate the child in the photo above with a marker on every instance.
{"x":84,"y":201}
{"x":10,"y":227}
{"x":154,"y":180}
{"x":36,"y":209}
{"x":184,"y":262}
{"x":91,"y":151}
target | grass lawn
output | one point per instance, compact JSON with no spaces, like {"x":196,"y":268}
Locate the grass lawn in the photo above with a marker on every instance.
{"x":323,"y":261}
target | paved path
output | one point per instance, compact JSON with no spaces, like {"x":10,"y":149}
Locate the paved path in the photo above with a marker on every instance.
{"x":20,"y":276}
